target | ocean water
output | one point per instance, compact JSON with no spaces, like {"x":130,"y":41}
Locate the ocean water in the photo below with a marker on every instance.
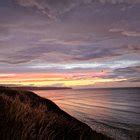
{"x":114,"y":112}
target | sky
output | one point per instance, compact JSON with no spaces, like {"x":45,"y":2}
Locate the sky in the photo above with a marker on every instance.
{"x":70,"y":43}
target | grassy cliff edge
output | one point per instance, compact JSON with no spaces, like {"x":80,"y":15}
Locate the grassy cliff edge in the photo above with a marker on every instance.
{"x":27,"y":116}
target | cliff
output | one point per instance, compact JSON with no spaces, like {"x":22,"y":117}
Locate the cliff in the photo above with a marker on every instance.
{"x":27,"y":116}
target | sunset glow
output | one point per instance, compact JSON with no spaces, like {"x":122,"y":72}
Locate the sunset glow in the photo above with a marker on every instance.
{"x":76,"y":43}
{"x":62,"y":80}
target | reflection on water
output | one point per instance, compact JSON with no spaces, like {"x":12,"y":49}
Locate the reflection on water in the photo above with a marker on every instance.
{"x":115,"y":112}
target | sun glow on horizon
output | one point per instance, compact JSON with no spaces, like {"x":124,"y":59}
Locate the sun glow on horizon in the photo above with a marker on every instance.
{"x":54,"y":79}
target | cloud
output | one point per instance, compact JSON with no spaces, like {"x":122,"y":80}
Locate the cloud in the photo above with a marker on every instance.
{"x":54,"y":8}
{"x":128,"y":70}
{"x":134,"y":80}
{"x":59,"y":53}
{"x":43,"y":53}
{"x":131,"y":33}
{"x":119,"y":1}
{"x":6,"y":75}
{"x":73,"y":66}
{"x":27,"y":3}
{"x":50,"y":8}
{"x":87,"y":31}
{"x":58,"y":43}
{"x":130,"y":73}
{"x":41,"y":6}
{"x":126,"y":32}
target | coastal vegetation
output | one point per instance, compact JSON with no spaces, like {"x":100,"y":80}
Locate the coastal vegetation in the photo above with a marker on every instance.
{"x":27,"y":116}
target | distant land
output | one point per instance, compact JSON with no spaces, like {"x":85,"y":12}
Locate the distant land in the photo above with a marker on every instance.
{"x":41,"y":88}
{"x":66,"y":88}
{"x":108,"y":88}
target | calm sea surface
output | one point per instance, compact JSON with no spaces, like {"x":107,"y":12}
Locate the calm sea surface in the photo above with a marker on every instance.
{"x":114,"y":112}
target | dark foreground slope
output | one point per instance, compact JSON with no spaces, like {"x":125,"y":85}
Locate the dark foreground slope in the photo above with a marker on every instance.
{"x":26,"y":116}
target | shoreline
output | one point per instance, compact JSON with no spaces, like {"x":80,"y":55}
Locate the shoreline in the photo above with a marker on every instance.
{"x":73,"y":128}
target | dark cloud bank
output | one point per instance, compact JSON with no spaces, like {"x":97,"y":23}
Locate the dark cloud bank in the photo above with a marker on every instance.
{"x":70,"y":31}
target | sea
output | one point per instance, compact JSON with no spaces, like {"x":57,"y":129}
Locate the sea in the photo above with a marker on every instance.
{"x":113,"y":112}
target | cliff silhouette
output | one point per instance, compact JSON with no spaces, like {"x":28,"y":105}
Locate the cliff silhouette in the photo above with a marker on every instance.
{"x":27,"y":116}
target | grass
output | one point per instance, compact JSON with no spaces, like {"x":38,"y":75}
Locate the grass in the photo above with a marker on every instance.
{"x":26,"y":116}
